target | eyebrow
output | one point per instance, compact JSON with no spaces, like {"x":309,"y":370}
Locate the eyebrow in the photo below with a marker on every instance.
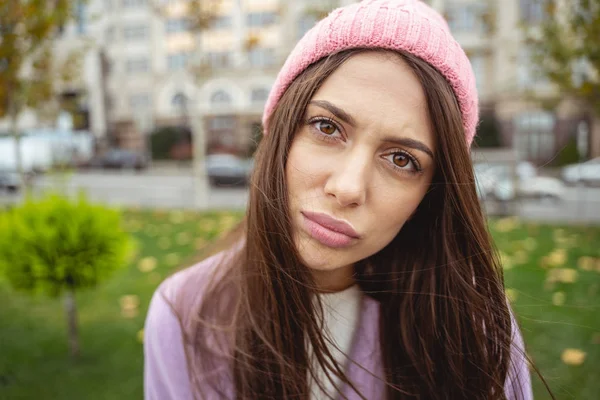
{"x":344,"y":116}
{"x":335,"y":110}
{"x":412,"y":143}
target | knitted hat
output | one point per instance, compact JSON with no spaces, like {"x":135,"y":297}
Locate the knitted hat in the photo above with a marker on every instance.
{"x":407,"y":25}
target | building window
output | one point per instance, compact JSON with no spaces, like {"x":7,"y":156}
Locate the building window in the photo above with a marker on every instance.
{"x":177,"y":61}
{"x":109,"y":34}
{"x":259,"y":95}
{"x":258,"y":19}
{"x":140,"y":101}
{"x":81,"y":18}
{"x":137,"y":65}
{"x":133,"y":3}
{"x":177,"y":25}
{"x":220,"y":98}
{"x":221,"y":22}
{"x":532,"y":11}
{"x":534,"y":135}
{"x":180,"y":102}
{"x":467,"y":18}
{"x":135,"y":32}
{"x":527,"y":75}
{"x":305,"y":23}
{"x":261,"y":57}
{"x":479,"y":70}
{"x":221,"y":123}
{"x":219,"y":59}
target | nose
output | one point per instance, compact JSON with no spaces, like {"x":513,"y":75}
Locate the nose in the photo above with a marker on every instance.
{"x":347,"y":182}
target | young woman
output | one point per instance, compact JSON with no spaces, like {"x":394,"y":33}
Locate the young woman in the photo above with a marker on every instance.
{"x":363,"y":268}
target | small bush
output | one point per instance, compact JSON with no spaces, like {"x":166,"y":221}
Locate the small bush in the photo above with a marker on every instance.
{"x":55,"y":245}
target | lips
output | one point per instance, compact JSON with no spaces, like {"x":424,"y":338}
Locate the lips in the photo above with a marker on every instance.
{"x":329,"y":231}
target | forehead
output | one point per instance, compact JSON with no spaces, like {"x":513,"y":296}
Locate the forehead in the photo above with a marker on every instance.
{"x":381,"y":92}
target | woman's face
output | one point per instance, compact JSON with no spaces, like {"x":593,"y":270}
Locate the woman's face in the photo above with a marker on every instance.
{"x":359,"y":165}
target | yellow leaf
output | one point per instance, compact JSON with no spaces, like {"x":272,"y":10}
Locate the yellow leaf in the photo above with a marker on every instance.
{"x":172,"y":259}
{"x":573,"y":356}
{"x":505,"y":260}
{"x":585,"y":263}
{"x":147,"y":264}
{"x":177,"y":217}
{"x":164,"y":243}
{"x":200,"y":243}
{"x":529,"y":244}
{"x":557,"y":258}
{"x":154,"y":277}
{"x":507,"y":224}
{"x":140,"y":336}
{"x":183,"y":238}
{"x":563,"y":275}
{"x":558,"y":298}
{"x":512,"y":295}
{"x":521,"y":257}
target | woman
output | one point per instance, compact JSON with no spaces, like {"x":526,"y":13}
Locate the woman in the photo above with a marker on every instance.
{"x":363,"y":269}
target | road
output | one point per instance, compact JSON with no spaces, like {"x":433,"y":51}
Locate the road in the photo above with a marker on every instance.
{"x":175,"y":189}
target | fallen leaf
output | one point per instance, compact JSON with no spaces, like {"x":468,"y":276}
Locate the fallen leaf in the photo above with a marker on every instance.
{"x":505,"y":225}
{"x":147,"y":264}
{"x":558,"y":298}
{"x":154,"y":277}
{"x":177,"y":217}
{"x":521,"y":257}
{"x":172,"y":259}
{"x":200,"y":243}
{"x":573,"y":356}
{"x":164,"y":242}
{"x":183,"y":238}
{"x":505,"y":260}
{"x":140,"y":336}
{"x":512,"y":295}
{"x":129,"y":305}
{"x":586,"y":263}
{"x":529,"y":244}
{"x":563,"y":275}
{"x":557,"y":257}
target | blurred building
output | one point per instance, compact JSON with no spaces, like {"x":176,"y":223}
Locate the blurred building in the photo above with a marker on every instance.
{"x":145,"y":68}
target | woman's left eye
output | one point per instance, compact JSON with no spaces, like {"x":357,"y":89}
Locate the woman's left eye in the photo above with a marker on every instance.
{"x":403,"y":161}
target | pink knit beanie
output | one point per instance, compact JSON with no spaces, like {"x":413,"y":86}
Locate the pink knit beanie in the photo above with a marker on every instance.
{"x":408,"y":25}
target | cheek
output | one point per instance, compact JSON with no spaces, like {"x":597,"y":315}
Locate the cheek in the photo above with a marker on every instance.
{"x":303,"y":168}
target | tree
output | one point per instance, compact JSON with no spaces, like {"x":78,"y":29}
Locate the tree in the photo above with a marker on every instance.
{"x":566,"y":49}
{"x":29,"y":72}
{"x":56,"y":245}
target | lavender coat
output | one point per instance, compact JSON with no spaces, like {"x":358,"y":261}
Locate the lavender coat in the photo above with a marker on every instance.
{"x":166,"y":369}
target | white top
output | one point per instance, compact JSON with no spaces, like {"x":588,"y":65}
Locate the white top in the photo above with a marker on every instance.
{"x":341,"y":311}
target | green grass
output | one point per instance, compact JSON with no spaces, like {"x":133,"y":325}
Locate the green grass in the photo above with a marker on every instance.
{"x":34,"y":362}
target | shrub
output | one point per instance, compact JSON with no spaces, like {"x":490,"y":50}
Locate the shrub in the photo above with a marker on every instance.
{"x":57,"y":246}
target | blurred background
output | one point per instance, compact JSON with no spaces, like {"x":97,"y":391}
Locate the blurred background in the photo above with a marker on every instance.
{"x":153,"y":108}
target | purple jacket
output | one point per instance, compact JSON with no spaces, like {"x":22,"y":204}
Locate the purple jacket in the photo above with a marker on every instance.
{"x":166,"y":371}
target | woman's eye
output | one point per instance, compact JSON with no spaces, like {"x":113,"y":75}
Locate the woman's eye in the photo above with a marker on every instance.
{"x":326,"y":127}
{"x":401,"y":160}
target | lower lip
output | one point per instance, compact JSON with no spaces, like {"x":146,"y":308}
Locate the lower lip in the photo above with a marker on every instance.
{"x":326,"y":236}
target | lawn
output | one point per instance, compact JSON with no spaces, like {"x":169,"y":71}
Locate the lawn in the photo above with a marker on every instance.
{"x":553,"y":276}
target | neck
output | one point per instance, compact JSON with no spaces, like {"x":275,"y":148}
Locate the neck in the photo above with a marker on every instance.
{"x":336,"y":280}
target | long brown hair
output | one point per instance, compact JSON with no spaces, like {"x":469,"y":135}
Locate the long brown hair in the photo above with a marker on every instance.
{"x":445,"y":326}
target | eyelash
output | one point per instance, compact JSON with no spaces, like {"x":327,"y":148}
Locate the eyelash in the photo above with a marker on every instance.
{"x":327,"y":138}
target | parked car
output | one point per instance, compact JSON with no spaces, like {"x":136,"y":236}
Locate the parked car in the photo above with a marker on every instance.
{"x":494,"y":181}
{"x":587,"y":172}
{"x":9,"y":181}
{"x":228,"y":169}
{"x":120,"y":159}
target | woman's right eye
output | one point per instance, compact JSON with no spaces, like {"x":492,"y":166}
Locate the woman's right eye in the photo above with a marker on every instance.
{"x":325,"y":128}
